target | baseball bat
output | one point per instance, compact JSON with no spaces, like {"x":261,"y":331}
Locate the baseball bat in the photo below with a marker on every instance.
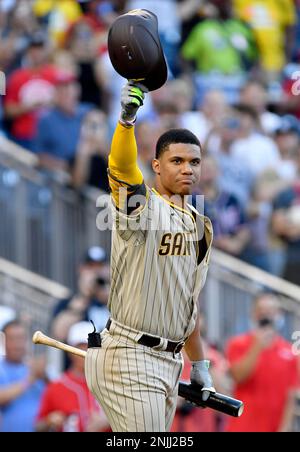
{"x":190,"y":392}
{"x":41,"y":338}
{"x":216,"y":401}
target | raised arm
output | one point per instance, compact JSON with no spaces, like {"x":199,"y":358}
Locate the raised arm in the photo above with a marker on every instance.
{"x":122,"y":162}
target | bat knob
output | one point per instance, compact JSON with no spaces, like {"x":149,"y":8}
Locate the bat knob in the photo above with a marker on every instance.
{"x":36,"y":337}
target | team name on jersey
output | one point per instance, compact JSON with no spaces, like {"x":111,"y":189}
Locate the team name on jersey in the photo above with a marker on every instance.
{"x":175,"y":245}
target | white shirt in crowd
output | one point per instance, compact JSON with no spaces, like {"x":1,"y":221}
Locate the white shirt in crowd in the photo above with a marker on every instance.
{"x":258,"y":152}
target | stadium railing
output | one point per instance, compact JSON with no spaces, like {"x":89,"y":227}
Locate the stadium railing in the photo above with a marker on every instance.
{"x":46,"y":226}
{"x":227,"y":303}
{"x":30,"y":295}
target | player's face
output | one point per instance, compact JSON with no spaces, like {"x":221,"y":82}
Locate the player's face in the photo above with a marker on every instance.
{"x":178,"y":169}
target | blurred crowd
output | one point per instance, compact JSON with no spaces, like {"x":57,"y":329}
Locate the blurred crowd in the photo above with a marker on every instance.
{"x":257,"y":367}
{"x":234,"y":71}
{"x":233,"y":81}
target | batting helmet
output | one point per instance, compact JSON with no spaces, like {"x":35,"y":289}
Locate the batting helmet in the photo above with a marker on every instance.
{"x":135,"y":49}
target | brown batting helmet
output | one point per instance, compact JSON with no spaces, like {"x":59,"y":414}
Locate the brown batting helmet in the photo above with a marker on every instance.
{"x":135,"y":49}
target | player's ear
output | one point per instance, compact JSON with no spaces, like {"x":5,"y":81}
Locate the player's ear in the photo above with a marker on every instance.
{"x":156,"y":166}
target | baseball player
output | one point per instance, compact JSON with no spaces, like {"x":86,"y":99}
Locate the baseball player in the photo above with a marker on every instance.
{"x":160,"y":254}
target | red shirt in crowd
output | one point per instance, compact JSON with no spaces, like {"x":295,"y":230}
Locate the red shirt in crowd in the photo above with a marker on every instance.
{"x":70,"y":396}
{"x":266,"y":391}
{"x":27,"y":87}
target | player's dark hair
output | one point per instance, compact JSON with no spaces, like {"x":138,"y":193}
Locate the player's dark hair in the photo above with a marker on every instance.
{"x":175,"y":136}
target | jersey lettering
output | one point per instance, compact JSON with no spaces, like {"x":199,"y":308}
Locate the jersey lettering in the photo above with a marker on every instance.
{"x":174,"y":245}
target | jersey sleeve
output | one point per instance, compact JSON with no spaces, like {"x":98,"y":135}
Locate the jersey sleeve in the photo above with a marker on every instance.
{"x":129,"y":192}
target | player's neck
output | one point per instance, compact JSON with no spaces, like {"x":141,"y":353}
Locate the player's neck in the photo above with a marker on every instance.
{"x":178,"y":200}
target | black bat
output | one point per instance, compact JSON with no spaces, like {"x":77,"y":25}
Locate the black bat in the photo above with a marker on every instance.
{"x":220,"y":402}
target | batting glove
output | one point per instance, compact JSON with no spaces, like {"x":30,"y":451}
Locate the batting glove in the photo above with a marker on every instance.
{"x":201,"y":376}
{"x":132,"y":98}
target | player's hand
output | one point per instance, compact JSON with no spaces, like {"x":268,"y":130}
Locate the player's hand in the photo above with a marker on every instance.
{"x":200,"y":375}
{"x":132,"y":98}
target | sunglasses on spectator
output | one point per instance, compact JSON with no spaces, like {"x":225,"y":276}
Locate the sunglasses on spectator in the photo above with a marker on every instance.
{"x":102,"y":282}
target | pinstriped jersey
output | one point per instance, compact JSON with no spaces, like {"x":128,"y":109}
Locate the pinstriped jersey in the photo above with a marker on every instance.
{"x":155,"y":275}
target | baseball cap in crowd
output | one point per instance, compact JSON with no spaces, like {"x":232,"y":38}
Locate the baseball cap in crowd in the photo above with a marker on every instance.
{"x":288,"y":123}
{"x":37,"y":39}
{"x":78,"y":333}
{"x":95,"y":254}
{"x":64,"y":77}
{"x":7,"y":314}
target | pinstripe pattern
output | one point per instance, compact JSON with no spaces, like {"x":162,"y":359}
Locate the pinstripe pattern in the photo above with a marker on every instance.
{"x":154,"y":290}
{"x":151,"y":292}
{"x":135,"y":385}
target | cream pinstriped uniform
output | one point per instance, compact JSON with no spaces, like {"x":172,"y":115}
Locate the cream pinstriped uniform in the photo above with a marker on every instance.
{"x":156,"y":281}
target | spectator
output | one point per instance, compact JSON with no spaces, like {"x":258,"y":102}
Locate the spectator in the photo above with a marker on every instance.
{"x":226,"y":214}
{"x":287,"y":138}
{"x":222,"y":49}
{"x":170,"y":14}
{"x":91,"y":160}
{"x":15,"y":28}
{"x":262,"y":250}
{"x":182,"y":93}
{"x":258,"y":151}
{"x":59,"y":15}
{"x":264,"y":370}
{"x":255,"y":95}
{"x":272,"y":22}
{"x":101,"y":13}
{"x":296,"y":51}
{"x":21,"y":384}
{"x":286,"y":226}
{"x":59,"y":128}
{"x":234,"y":177}
{"x":282,"y":249}
{"x":85,"y":42}
{"x":210,"y":112}
{"x":29,"y":91}
{"x":7,"y":314}
{"x":89,"y":303}
{"x":67,"y":404}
